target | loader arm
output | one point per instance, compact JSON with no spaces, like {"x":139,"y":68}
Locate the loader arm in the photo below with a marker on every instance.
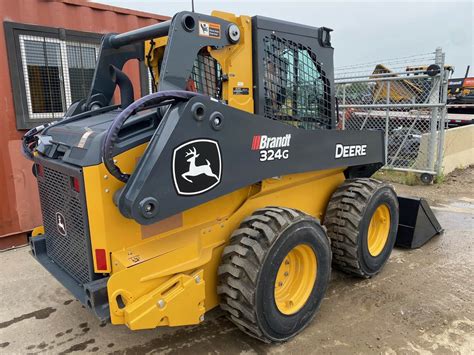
{"x":250,"y":148}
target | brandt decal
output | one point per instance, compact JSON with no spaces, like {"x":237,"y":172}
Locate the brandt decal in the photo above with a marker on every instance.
{"x":197,"y":166}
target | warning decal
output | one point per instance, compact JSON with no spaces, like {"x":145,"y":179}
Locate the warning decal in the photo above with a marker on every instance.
{"x":240,"y":91}
{"x":209,"y":29}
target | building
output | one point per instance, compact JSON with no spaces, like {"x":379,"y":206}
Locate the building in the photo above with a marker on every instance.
{"x":49,"y":52}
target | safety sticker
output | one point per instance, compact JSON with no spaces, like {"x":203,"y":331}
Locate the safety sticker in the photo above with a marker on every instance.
{"x":240,"y":91}
{"x":209,"y":29}
{"x":83,"y":140}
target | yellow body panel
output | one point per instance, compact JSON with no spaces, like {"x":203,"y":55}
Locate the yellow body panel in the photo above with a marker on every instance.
{"x":37,"y":231}
{"x":154,"y":51}
{"x":236,"y":63}
{"x":143,"y":265}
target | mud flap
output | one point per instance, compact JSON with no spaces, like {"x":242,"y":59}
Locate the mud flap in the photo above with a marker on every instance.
{"x":417,"y":223}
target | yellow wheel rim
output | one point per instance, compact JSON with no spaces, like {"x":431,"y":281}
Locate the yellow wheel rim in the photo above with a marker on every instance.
{"x":295,"y":279}
{"x":379,"y":229}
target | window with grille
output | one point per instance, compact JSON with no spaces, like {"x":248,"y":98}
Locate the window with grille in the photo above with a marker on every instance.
{"x":206,"y":76}
{"x":50,"y":68}
{"x":56,"y":74}
{"x":296,"y":89}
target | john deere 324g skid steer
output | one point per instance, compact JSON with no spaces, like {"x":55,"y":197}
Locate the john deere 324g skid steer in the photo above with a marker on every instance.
{"x":227,"y":186}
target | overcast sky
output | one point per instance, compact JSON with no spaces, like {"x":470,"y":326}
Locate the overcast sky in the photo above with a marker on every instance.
{"x":363,"y":31}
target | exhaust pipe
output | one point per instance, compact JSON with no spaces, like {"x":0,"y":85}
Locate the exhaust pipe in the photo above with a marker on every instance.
{"x":125,"y":85}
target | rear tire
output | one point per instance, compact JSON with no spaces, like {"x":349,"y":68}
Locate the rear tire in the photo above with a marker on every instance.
{"x":362,"y":222}
{"x":259,"y":288}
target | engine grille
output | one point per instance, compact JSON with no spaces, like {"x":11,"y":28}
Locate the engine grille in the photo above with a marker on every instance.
{"x":70,"y":251}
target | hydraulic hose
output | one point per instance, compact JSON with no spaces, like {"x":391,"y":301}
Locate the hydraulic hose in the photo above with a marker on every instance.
{"x":125,"y":85}
{"x":156,"y":99}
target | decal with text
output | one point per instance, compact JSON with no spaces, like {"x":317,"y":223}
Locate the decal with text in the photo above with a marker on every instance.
{"x":209,"y":29}
{"x":272,"y":148}
{"x":349,"y":151}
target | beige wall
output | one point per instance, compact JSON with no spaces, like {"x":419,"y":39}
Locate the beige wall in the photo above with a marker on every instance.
{"x":458,"y":148}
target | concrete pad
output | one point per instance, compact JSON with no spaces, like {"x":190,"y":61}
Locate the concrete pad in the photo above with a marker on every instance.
{"x":422,"y":302}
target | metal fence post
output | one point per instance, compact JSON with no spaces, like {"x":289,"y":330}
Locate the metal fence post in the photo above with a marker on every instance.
{"x":344,"y":105}
{"x":444,"y":74}
{"x":387,"y":121}
{"x":434,"y":99}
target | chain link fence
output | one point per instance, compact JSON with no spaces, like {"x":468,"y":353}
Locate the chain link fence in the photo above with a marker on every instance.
{"x":405,"y":98}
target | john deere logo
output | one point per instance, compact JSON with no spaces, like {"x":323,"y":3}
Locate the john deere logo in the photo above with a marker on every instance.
{"x":61,"y":224}
{"x":197,"y":166}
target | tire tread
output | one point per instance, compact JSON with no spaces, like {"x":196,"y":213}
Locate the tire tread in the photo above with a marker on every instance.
{"x":344,"y":214}
{"x":246,"y":253}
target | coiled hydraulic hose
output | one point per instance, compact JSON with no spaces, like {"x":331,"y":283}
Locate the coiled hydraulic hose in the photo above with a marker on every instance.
{"x":156,"y":99}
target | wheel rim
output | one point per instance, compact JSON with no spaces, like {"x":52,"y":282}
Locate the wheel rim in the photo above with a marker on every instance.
{"x":379,"y":229}
{"x":295,"y":279}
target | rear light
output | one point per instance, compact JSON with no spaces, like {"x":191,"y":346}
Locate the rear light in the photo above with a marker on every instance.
{"x":100,"y":259}
{"x":39,"y":170}
{"x":75,"y":184}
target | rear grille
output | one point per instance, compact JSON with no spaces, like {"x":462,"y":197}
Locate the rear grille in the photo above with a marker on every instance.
{"x":70,"y":251}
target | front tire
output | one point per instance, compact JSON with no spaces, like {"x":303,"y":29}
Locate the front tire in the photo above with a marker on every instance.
{"x":362,"y":222}
{"x":274,"y":273}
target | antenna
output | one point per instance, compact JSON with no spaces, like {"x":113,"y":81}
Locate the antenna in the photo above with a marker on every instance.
{"x":192,"y":5}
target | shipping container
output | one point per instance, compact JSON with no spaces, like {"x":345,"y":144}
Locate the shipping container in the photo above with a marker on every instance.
{"x":49,"y":49}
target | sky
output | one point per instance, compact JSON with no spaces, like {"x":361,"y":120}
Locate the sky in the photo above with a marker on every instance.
{"x":364,"y":31}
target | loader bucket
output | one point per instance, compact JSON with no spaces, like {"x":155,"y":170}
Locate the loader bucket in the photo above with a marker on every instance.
{"x":417,"y":223}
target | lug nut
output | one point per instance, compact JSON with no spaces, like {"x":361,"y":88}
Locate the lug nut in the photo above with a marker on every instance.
{"x":197,"y":279}
{"x":161,"y":303}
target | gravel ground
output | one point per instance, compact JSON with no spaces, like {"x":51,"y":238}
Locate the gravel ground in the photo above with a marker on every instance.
{"x":457,"y":185}
{"x":421,"y":303}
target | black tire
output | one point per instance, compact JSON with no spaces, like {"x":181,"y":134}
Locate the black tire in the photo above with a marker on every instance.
{"x":249,"y":267}
{"x":347,"y":220}
{"x":426,"y":178}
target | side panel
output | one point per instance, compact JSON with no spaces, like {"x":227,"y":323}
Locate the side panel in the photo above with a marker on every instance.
{"x":110,"y":231}
{"x":181,"y":253}
{"x":107,"y":227}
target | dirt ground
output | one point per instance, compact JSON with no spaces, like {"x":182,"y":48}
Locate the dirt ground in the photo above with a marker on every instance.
{"x":458,"y":184}
{"x":421,"y":303}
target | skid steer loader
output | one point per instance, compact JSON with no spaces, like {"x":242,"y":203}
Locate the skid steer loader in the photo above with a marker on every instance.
{"x":227,"y":186}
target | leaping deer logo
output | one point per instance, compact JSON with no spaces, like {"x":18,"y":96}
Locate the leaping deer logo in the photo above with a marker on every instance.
{"x":61,"y":224}
{"x":195,"y":170}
